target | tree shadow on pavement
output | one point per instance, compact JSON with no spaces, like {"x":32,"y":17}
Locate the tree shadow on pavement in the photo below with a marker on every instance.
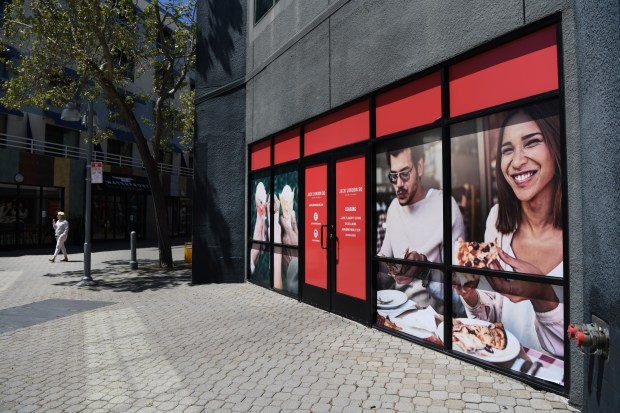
{"x":117,"y":276}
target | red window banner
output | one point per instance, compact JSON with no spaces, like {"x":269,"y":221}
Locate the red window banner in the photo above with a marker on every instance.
{"x":351,"y":227}
{"x":286,"y":147}
{"x":260,"y":155}
{"x":524,"y":67}
{"x":414,"y":104}
{"x":349,"y":125}
{"x":315,"y":223}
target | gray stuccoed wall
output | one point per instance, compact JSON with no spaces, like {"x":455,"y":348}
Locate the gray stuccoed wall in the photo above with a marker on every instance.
{"x":352,"y":48}
{"x":305,"y":58}
{"x":598,"y":62}
{"x":219,"y":149}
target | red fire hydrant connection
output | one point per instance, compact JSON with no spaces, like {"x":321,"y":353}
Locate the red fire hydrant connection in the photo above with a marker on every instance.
{"x":590,"y":336}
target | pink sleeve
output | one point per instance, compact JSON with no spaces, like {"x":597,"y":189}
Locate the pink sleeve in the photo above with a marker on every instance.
{"x":550,"y":330}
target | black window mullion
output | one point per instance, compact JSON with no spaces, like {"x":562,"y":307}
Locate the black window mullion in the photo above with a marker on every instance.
{"x":446,"y":154}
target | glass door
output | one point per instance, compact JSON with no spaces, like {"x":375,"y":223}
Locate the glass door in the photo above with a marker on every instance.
{"x":335,"y":258}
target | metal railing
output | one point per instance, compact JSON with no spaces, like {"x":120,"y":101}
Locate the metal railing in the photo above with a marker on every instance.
{"x":29,"y":145}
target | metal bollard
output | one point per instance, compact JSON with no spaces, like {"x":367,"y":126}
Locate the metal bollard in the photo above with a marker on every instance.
{"x":133,"y":264}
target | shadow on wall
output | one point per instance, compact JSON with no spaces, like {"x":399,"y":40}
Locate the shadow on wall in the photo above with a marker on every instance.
{"x":223,"y":17}
{"x":218,"y":250}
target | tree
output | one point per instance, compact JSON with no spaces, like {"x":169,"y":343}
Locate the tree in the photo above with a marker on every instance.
{"x":108,"y":42}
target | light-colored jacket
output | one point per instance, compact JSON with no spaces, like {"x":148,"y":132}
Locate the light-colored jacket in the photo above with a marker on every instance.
{"x":61,"y":228}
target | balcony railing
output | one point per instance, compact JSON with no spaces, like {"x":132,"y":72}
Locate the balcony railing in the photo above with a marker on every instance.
{"x":70,"y":152}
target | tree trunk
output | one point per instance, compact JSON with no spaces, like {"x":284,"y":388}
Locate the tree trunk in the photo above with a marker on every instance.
{"x":159,"y":201}
{"x":161,"y":219}
{"x":150,"y":166}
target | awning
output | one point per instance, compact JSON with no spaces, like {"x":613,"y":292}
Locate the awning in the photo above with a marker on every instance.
{"x":123,"y":135}
{"x":11,"y":112}
{"x":126,"y":183}
{"x":177,"y":148}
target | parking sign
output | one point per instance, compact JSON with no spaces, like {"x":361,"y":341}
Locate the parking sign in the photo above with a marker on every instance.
{"x":96,"y":172}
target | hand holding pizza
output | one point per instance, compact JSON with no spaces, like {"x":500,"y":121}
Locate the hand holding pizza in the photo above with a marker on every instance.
{"x":409,"y":272}
{"x":517,"y":264}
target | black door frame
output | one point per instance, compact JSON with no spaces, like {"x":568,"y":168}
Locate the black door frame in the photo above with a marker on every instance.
{"x":329,"y":299}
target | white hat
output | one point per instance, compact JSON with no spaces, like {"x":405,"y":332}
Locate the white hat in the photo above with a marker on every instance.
{"x":61,"y":213}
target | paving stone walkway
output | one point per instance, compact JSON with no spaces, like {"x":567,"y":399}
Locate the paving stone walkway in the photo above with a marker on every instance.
{"x":165,"y":345}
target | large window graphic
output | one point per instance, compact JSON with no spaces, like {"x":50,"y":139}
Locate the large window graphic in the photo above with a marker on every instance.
{"x":285,"y":231}
{"x":409,"y":217}
{"x":514,"y":324}
{"x":469,"y":221}
{"x":259,"y":229}
{"x":507,"y":179}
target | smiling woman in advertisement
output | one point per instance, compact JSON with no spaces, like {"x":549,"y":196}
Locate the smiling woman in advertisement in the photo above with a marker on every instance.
{"x":526,"y":225}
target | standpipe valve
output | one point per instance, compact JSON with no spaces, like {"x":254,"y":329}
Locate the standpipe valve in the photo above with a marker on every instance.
{"x":590,"y":336}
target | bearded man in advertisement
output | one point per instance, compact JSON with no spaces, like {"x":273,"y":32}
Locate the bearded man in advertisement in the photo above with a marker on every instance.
{"x":414,"y":228}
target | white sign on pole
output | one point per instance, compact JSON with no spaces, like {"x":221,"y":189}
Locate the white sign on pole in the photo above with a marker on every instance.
{"x":96,"y":172}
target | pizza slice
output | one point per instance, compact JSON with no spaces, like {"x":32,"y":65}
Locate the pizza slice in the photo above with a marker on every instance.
{"x":385,"y":321}
{"x":476,"y":254}
{"x":397,"y":269}
{"x":474,"y":338}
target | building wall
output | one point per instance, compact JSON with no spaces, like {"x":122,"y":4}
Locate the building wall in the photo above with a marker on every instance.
{"x":305,"y":58}
{"x":597,"y":38}
{"x":353,"y":48}
{"x":219,"y":149}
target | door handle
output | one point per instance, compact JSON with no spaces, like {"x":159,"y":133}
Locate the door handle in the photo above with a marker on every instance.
{"x":323,"y":247}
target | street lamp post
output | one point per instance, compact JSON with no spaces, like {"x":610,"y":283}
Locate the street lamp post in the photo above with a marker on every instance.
{"x":70,"y":113}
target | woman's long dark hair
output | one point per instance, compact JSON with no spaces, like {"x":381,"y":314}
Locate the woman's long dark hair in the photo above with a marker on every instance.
{"x":547,"y":118}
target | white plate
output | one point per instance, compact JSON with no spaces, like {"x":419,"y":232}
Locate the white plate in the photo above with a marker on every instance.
{"x":393,"y":299}
{"x":498,"y":356}
{"x":420,"y":323}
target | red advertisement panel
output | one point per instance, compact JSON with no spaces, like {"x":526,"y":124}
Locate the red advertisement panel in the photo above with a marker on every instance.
{"x":351,"y":227}
{"x":518,"y":69}
{"x":286,"y":147}
{"x":349,"y":125}
{"x":316,"y":216}
{"x":414,"y":104}
{"x":260,"y":155}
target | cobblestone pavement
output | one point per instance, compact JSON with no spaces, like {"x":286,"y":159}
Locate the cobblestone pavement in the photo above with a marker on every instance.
{"x":166,"y":345}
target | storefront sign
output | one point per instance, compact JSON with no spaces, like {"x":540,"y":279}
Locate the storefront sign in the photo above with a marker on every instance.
{"x":128,"y":183}
{"x":351,"y":227}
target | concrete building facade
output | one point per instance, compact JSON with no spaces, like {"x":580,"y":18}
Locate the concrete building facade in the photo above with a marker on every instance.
{"x":314,"y":88}
{"x":42,"y":170}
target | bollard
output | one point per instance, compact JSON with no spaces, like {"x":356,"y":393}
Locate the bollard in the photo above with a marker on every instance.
{"x":133,"y":264}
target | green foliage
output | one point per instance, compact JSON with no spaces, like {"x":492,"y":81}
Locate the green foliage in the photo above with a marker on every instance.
{"x":108,"y":43}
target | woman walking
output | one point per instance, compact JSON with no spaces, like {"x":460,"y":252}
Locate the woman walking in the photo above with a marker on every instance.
{"x":61,"y":231}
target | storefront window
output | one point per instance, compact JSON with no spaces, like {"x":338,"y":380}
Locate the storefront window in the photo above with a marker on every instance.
{"x":116,"y":213}
{"x":512,"y":324}
{"x":468,"y":230}
{"x":417,"y":310}
{"x":259,"y":229}
{"x":179,"y":216}
{"x":409,"y":219}
{"x":409,"y":198}
{"x":259,"y":264}
{"x":28,"y":213}
{"x":285,"y":259}
{"x":503,"y":165}
{"x":8,"y":214}
{"x":25,"y":212}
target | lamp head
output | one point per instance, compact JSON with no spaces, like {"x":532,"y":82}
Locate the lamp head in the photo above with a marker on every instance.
{"x":70,"y":113}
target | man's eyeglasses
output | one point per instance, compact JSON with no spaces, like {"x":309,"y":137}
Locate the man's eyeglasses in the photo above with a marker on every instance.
{"x":404,"y":175}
